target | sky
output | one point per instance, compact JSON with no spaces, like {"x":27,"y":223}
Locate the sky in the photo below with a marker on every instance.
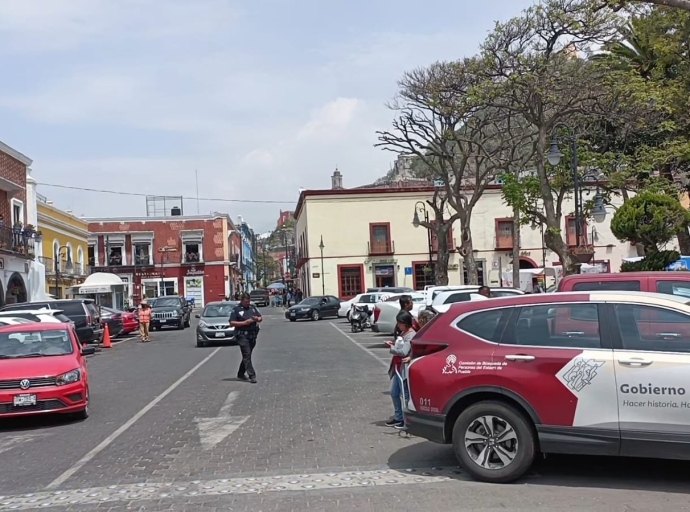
{"x":258,"y":98}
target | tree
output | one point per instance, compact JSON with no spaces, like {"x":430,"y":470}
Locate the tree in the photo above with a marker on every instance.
{"x":456,"y":142}
{"x":533,"y":72}
{"x":650,"y":219}
{"x":620,"y":4}
{"x":267,"y":269}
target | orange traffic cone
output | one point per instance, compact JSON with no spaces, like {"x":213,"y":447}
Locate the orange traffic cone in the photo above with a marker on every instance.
{"x":106,"y":337}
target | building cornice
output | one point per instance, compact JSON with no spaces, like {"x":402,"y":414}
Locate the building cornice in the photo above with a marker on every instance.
{"x":15,"y":154}
{"x":52,"y":222}
{"x":144,"y":220}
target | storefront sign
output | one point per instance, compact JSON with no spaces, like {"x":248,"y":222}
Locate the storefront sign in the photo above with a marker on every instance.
{"x":168,"y":248}
{"x":148,"y":275}
{"x":316,"y":275}
{"x":86,"y":290}
{"x":192,"y":271}
{"x":386,"y":271}
{"x":384,"y":261}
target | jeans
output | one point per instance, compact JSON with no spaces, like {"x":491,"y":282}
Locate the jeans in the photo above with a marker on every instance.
{"x":247,"y":344}
{"x":396,"y":395}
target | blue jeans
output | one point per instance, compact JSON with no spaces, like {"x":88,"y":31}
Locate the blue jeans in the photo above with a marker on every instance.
{"x":396,"y":395}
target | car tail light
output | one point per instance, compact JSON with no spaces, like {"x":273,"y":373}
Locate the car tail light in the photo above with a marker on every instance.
{"x":377,"y":312}
{"x":425,"y":348}
{"x":117,"y":317}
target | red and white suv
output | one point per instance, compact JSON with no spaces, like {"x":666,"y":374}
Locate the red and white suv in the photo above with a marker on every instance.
{"x":598,"y":373}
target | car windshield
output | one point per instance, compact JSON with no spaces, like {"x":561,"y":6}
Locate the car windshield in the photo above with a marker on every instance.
{"x":219,"y":310}
{"x":29,"y":343}
{"x":167,"y":302}
{"x":311,"y":301}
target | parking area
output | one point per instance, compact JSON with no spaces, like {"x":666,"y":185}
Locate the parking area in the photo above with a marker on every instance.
{"x":371,"y":342}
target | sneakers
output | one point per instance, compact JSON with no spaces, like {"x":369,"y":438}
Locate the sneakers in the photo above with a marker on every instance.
{"x":394,"y":423}
{"x":400,"y":426}
{"x":242,"y":376}
{"x":252,"y":379}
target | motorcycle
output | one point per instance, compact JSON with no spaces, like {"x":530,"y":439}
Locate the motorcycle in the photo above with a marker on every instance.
{"x":360,"y":318}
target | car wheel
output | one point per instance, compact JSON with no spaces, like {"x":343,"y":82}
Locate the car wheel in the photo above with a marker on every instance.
{"x":494,"y":442}
{"x":315,"y":315}
{"x":188,"y":322}
{"x":84,"y":413}
{"x":180,"y":325}
{"x":200,"y":344}
{"x":348,"y":316}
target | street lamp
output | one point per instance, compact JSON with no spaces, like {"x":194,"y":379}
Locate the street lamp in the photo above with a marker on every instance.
{"x":323,"y":282}
{"x":420,"y":207}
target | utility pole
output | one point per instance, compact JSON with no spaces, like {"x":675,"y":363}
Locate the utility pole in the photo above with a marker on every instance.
{"x":516,"y":240}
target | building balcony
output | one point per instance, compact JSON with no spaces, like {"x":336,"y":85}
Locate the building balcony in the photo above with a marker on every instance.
{"x":17,"y":242}
{"x":383,"y":248}
{"x":49,"y":264}
{"x":192,"y":258}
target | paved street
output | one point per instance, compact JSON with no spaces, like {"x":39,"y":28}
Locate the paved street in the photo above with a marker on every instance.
{"x":171,"y":428}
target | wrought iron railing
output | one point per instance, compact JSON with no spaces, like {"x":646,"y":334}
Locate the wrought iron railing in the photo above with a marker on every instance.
{"x":17,"y":240}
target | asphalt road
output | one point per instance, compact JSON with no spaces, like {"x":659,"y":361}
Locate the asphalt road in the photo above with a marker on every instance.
{"x":171,"y":428}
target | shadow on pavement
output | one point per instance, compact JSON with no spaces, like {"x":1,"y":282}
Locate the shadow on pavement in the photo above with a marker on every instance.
{"x":36,"y":422}
{"x":565,"y":470}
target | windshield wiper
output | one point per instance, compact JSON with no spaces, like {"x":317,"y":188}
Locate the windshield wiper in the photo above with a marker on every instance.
{"x":32,"y":354}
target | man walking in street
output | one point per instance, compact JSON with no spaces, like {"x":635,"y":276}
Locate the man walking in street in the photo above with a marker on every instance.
{"x":245,"y":318}
{"x":144,"y":320}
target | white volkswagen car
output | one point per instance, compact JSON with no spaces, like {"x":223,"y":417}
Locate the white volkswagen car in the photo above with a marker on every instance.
{"x":386,"y":311}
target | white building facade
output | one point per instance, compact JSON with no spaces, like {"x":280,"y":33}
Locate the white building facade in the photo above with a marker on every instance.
{"x":369,"y":240}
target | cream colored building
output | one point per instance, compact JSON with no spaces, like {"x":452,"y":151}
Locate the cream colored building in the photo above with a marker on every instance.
{"x":369,"y":240}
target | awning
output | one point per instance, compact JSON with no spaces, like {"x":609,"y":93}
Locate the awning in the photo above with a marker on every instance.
{"x":99,"y":282}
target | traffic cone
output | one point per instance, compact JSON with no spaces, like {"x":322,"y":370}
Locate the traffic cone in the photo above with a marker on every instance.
{"x":106,"y":337}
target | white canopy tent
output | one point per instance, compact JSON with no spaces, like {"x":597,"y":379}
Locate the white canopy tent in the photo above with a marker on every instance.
{"x":107,"y":289}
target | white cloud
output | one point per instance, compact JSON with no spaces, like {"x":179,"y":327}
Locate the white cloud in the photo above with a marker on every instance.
{"x":258,"y":158}
{"x":330,"y":119}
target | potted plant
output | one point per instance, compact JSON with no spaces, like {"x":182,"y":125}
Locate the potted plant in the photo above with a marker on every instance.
{"x":29,"y":231}
{"x":584,"y":253}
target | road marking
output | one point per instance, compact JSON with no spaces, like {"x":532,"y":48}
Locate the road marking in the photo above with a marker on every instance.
{"x":213,"y":430}
{"x":368,"y":351}
{"x":108,"y":440}
{"x":12,"y":441}
{"x":148,"y":491}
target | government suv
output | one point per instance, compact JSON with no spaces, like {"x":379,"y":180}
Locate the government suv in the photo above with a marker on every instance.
{"x":589,"y":373}
{"x":83,"y":312}
{"x":170,"y":311}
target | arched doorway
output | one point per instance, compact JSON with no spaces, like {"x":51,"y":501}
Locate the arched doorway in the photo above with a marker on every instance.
{"x":526,"y":263}
{"x":16,"y":289}
{"x":2,"y":294}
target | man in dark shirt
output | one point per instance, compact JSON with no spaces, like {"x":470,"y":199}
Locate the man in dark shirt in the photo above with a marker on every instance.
{"x":245,"y":318}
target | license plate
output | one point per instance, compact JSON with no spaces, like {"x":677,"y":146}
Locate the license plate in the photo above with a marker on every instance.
{"x":292,"y":314}
{"x":163,"y":320}
{"x":220,"y":335}
{"x":24,"y":400}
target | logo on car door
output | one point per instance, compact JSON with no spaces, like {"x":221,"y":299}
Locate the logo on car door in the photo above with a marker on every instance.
{"x":581,"y":373}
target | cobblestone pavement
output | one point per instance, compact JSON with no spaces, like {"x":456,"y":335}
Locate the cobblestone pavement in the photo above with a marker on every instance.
{"x":171,"y":428}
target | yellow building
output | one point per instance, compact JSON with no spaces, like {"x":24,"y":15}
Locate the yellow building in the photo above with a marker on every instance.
{"x":63,"y":248}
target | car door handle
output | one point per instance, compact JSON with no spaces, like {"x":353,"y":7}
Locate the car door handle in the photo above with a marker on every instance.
{"x":519,"y":357}
{"x":573,"y":333}
{"x":635,"y":361}
{"x":668,"y":335}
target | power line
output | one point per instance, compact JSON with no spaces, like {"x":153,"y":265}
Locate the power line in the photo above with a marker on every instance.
{"x":141,"y":194}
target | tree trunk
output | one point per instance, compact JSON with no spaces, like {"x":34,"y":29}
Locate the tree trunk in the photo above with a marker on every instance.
{"x":442,"y":256}
{"x":516,"y":248}
{"x":555,"y":242}
{"x":684,"y":241}
{"x":467,"y":249}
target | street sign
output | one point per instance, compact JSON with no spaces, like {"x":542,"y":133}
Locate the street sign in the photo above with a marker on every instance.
{"x":408,"y":271}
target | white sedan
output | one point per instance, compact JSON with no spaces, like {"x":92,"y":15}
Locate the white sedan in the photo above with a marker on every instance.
{"x":385,"y":312}
{"x":363,"y":299}
{"x":54,"y":316}
{"x":442,"y":302}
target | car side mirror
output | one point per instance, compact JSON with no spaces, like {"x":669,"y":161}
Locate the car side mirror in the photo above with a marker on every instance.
{"x":197,"y":316}
{"x":88,"y":350}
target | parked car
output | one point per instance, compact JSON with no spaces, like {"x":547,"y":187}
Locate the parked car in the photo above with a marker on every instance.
{"x":385,"y":312}
{"x":363,"y":299}
{"x":113,"y":320}
{"x":43,"y":370}
{"x":214,"y":324}
{"x":390,"y":289}
{"x":130,"y":320}
{"x":314,"y":308}
{"x":443,"y":300}
{"x":12,"y":320}
{"x":83,"y":312}
{"x":38,"y":315}
{"x":260,"y":298}
{"x":588,"y":373}
{"x":170,"y":311}
{"x":671,"y":283}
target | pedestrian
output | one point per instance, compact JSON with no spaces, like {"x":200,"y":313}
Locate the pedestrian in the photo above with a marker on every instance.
{"x":289,"y":298}
{"x":245,"y":318}
{"x":485,"y":291}
{"x":406,"y":304}
{"x":400,"y":349}
{"x":536,"y":286}
{"x":144,"y":320}
{"x":298,"y":296}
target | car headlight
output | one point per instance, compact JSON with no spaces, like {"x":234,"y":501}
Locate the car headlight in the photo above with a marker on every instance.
{"x":176,"y":313}
{"x":304,"y":309}
{"x":68,"y":378}
{"x":202,"y":323}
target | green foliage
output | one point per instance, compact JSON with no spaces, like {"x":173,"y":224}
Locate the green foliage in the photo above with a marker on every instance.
{"x":656,"y":261}
{"x":650,"y":219}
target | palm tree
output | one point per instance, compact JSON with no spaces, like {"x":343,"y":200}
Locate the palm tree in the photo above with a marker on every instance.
{"x":632,"y":50}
